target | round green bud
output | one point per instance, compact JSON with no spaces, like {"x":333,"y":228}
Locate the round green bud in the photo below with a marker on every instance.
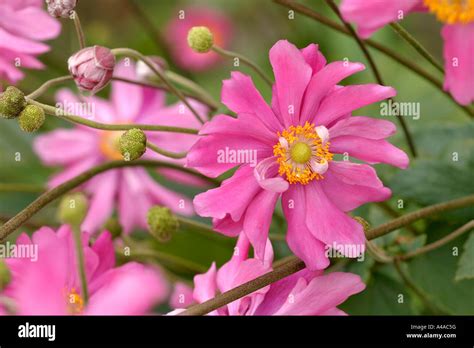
{"x":31,"y":118}
{"x":162,"y":223}
{"x":200,"y":39}
{"x":12,"y":102}
{"x":5,"y":275}
{"x":73,"y":209}
{"x":363,"y":222}
{"x":113,"y":226}
{"x":132,"y":144}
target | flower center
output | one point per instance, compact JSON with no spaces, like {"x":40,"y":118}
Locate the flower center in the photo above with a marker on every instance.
{"x":452,"y":11}
{"x":109,"y":145}
{"x":302,"y":153}
{"x":75,"y":303}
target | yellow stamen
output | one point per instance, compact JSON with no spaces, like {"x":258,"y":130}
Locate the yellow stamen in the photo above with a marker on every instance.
{"x":109,"y":145}
{"x":75,"y":303}
{"x":452,"y":11}
{"x":298,"y":147}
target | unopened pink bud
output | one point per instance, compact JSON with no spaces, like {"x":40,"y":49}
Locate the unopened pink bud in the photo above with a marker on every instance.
{"x":61,"y":8}
{"x":92,"y":68}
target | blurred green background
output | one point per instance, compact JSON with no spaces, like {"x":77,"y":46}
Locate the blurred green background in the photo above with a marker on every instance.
{"x":443,"y":129}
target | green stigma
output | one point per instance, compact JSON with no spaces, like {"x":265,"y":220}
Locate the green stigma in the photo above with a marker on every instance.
{"x":301,"y":153}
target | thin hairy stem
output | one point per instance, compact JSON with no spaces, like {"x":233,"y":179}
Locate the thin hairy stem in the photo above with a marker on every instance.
{"x":49,"y":196}
{"x":53,"y":111}
{"x":80,"y":33}
{"x":76,"y":230}
{"x":47,"y":85}
{"x":376,"y":72}
{"x":166,"y":153}
{"x":246,"y":61}
{"x":137,"y":55}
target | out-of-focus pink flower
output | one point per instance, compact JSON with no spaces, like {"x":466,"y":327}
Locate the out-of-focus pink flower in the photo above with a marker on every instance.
{"x":303,"y":293}
{"x":92,"y":68}
{"x":61,"y":8}
{"x":177,"y":33}
{"x":131,"y":190}
{"x":145,"y":73}
{"x":50,"y":285}
{"x":23,"y":25}
{"x":458,"y":34}
{"x":287,"y":150}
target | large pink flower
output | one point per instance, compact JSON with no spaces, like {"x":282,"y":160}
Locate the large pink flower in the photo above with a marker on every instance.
{"x":458,"y":33}
{"x":177,"y":33}
{"x":23,"y":25}
{"x":303,"y":293}
{"x":292,"y":144}
{"x":131,"y":190}
{"x":50,"y":285}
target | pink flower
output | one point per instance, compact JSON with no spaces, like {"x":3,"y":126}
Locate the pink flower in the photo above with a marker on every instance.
{"x":303,"y":293}
{"x":92,"y":68}
{"x":131,"y":190}
{"x":23,"y":25}
{"x":177,"y":33}
{"x":458,"y":34}
{"x":50,"y":285}
{"x":292,"y":144}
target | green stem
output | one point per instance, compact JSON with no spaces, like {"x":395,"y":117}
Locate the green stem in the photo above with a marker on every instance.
{"x":81,"y":262}
{"x":137,"y":55}
{"x":49,"y":196}
{"x":79,"y":31}
{"x":47,"y":85}
{"x":416,"y":45}
{"x":166,"y":153}
{"x":53,"y":111}
{"x":245,"y":60}
{"x":378,"y":76}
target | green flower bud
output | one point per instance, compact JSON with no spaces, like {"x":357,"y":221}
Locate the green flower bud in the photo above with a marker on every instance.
{"x":162,"y":223}
{"x":200,"y":39}
{"x":12,"y":102}
{"x":113,"y":226}
{"x":31,"y":118}
{"x":363,"y":222}
{"x":132,"y":144}
{"x":73,"y":209}
{"x":5,"y":275}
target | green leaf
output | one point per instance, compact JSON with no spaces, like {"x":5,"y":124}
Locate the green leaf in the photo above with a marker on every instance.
{"x":466,"y":262}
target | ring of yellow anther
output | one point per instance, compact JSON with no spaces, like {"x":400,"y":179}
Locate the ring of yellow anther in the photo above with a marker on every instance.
{"x":452,"y":11}
{"x":304,"y":146}
{"x":75,"y":303}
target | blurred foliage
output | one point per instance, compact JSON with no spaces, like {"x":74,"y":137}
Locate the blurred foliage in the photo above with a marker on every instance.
{"x":441,"y":131}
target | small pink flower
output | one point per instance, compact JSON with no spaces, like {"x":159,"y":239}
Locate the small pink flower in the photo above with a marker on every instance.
{"x":130,"y":190}
{"x":177,"y":33}
{"x":287,"y":150}
{"x":92,"y":68}
{"x":303,"y":293}
{"x":50,"y":285}
{"x":458,"y":34}
{"x":23,"y":26}
{"x":61,"y":8}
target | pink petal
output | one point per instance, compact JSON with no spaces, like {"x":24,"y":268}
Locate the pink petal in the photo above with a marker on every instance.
{"x":370,"y":16}
{"x":73,"y":170}
{"x":104,"y":248}
{"x":242,"y":187}
{"x":347,"y":99}
{"x":228,"y":227}
{"x":330,"y":225}
{"x":240,"y":95}
{"x":322,"y":83}
{"x":313,"y":56}
{"x":365,"y":127}
{"x":459,"y":61}
{"x":22,"y":45}
{"x":299,"y":238}
{"x":349,"y":185}
{"x":205,"y":285}
{"x":182,"y":296}
{"x":266,"y":174}
{"x":292,"y":75}
{"x":370,"y":151}
{"x":127,"y":98}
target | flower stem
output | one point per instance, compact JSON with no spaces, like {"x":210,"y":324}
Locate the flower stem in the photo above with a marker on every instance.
{"x":49,"y":196}
{"x":76,"y":230}
{"x":163,"y":152}
{"x":375,"y":70}
{"x":53,"y":111}
{"x":137,"y":55}
{"x":306,"y":11}
{"x":246,"y":61}
{"x":79,"y":31}
{"x":293,"y":264}
{"x":416,"y":45}
{"x":47,"y":85}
